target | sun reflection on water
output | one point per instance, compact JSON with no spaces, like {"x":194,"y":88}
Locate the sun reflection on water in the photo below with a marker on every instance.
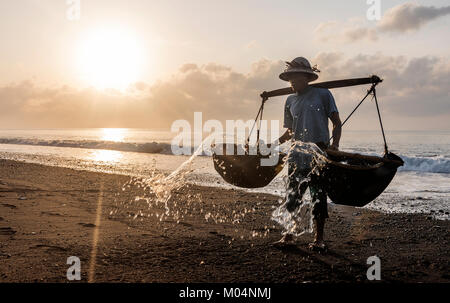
{"x":111,"y":156}
{"x":113,"y":134}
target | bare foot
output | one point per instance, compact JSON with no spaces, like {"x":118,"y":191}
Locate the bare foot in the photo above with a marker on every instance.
{"x":286,"y":240}
{"x":319,"y":246}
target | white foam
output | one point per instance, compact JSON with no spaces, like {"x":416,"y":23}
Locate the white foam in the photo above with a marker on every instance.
{"x":438,"y":164}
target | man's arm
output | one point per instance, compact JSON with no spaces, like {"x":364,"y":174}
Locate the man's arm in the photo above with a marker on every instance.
{"x":286,"y":136}
{"x":337,"y":130}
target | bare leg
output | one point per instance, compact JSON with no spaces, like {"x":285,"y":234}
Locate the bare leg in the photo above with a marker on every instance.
{"x":320,"y":213}
{"x":295,"y":192}
{"x":293,"y":204}
{"x":319,"y":225}
{"x":318,"y":243}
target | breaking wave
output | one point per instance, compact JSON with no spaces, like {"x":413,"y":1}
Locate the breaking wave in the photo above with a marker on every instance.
{"x":438,"y":164}
{"x":148,"y":147}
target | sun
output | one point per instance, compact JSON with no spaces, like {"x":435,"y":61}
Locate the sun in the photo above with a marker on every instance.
{"x":110,"y":58}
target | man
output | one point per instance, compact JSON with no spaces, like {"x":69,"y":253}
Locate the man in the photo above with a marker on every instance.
{"x":306,"y":117}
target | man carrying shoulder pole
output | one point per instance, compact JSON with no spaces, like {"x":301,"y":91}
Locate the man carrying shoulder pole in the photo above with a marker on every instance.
{"x":306,"y":115}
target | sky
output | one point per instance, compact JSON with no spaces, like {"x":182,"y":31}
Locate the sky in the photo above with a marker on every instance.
{"x":137,"y":63}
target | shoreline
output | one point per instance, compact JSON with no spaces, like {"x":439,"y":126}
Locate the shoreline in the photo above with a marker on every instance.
{"x":50,"y":213}
{"x":405,"y":201}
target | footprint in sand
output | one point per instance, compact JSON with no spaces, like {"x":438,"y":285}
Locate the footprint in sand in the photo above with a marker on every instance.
{"x":9,"y":205}
{"x":5,"y":231}
{"x":49,"y":247}
{"x":87,"y":224}
{"x":222,"y":236}
{"x":48,"y":213}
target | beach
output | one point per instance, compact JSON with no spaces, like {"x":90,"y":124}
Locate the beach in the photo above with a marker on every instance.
{"x":48,"y":214}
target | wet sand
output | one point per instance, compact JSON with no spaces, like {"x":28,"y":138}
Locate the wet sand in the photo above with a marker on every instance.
{"x":48,"y":214}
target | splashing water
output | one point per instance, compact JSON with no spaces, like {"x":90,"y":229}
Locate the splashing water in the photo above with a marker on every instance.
{"x":300,"y":220}
{"x":161,"y":197}
{"x":187,"y":164}
{"x":156,"y":192}
{"x":170,"y":199}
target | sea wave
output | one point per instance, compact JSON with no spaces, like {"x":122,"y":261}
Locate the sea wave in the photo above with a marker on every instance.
{"x":148,"y":147}
{"x":438,"y":164}
{"x":429,"y":164}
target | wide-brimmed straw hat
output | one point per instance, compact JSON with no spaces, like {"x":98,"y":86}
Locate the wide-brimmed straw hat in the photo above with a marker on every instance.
{"x":299,"y":65}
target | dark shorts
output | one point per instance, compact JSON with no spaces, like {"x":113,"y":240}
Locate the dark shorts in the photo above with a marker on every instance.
{"x":296,"y":189}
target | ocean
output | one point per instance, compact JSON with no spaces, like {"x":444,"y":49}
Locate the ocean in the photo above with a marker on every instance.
{"x":422,"y":185}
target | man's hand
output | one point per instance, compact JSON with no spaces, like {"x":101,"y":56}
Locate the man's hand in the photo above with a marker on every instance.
{"x":286,"y":136}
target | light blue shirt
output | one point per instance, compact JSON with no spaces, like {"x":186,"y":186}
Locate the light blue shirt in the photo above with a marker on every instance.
{"x":307,"y":114}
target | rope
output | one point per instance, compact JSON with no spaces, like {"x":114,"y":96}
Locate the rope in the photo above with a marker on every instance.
{"x":372,"y":91}
{"x":260,"y":121}
{"x":260,"y":113}
{"x":348,"y":117}
{"x":381,"y":123}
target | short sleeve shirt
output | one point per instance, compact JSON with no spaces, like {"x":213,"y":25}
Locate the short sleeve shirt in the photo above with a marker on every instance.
{"x":307,"y":114}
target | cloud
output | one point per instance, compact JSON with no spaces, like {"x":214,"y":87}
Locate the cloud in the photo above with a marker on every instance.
{"x":410,"y":17}
{"x":251,"y":45}
{"x":413,"y":90}
{"x":402,"y":18}
{"x":345,"y":32}
{"x":214,"y":89}
{"x":355,"y":34}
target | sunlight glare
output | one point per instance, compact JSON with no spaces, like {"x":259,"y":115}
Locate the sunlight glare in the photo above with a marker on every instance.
{"x":110,"y":156}
{"x":113,"y":134}
{"x":110,"y":58}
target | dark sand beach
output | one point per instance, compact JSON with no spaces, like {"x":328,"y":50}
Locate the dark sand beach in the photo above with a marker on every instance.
{"x":48,"y":214}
